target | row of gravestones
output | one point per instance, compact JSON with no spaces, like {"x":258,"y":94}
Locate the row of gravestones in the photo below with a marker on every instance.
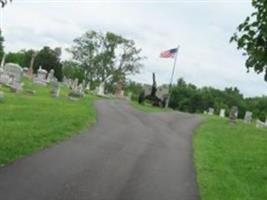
{"x":76,"y":90}
{"x":11,"y":75}
{"x":43,"y":77}
{"x":234,"y":114}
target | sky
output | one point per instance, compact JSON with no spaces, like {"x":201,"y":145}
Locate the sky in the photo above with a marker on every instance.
{"x":202,"y":28}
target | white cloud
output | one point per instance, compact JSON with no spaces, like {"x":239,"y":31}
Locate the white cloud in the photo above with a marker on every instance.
{"x":202,"y":28}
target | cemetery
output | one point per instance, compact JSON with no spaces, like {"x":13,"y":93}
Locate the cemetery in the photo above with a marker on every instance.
{"x":94,"y":119}
{"x":229,"y":159}
{"x":31,"y":121}
{"x":60,"y":110}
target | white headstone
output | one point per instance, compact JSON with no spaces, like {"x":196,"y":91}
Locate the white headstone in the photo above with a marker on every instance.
{"x":222,"y":113}
{"x":88,"y":86}
{"x":101,"y":89}
{"x":55,"y":89}
{"x":211,"y":111}
{"x":75,"y":84}
{"x":41,"y":76}
{"x":248,"y":117}
{"x":12,"y":76}
{"x":260,"y":124}
{"x":50,"y":76}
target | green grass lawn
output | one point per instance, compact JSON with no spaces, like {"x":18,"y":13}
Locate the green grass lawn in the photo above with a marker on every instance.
{"x":231,"y":160}
{"x":29,"y":123}
{"x":148,"y":108}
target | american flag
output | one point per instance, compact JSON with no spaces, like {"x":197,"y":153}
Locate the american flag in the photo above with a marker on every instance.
{"x":169,"y":53}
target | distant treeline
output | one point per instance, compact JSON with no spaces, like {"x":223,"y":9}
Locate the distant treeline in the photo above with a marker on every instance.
{"x":96,"y":57}
{"x":189,"y":98}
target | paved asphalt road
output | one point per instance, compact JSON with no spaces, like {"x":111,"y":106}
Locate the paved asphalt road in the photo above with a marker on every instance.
{"x":127,"y":155}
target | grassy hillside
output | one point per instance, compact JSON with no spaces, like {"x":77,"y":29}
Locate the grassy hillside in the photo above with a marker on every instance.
{"x":231,"y":160}
{"x":32,"y":122}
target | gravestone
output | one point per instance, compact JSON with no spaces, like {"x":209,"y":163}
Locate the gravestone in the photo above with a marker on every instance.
{"x":50,"y":76}
{"x":233,"y":114}
{"x":75,"y":84}
{"x":25,"y":71}
{"x":5,"y":79}
{"x":260,"y":124}
{"x":84,"y":84}
{"x":12,"y":76}
{"x":77,"y":91}
{"x":68,"y":82}
{"x":101,"y":89}
{"x":211,"y":111}
{"x":2,"y":96}
{"x":55,"y":89}
{"x":248,"y":117}
{"x":41,"y":76}
{"x":222,"y":113}
{"x":87,"y":86}
{"x":14,"y":71}
{"x":80,"y":89}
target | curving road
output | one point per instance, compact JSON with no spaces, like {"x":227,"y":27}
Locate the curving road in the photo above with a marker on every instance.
{"x":127,"y":155}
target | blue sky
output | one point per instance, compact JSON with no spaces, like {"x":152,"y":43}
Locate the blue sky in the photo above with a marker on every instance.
{"x":202,"y":28}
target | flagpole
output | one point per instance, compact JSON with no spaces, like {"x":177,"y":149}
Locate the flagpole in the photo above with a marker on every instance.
{"x":173,"y":70}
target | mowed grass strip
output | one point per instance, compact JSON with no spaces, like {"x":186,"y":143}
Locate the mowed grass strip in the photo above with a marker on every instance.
{"x":231,"y":160}
{"x":29,"y":123}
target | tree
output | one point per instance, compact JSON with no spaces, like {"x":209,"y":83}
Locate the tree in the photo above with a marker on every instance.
{"x":252,"y":38}
{"x":22,"y":57}
{"x":133,"y":87}
{"x":49,"y":59}
{"x":106,"y":57}
{"x":1,"y":45}
{"x":4,"y":2}
{"x":73,"y":70}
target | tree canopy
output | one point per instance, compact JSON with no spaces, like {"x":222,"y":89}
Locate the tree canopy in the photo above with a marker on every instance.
{"x":188,"y":98}
{"x":106,"y":57}
{"x":47,"y":57}
{"x":73,"y":70}
{"x":4,"y":2}
{"x":252,"y":38}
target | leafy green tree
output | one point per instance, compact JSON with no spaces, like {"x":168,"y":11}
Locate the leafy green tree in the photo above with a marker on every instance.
{"x":188,"y":98}
{"x":21,"y":57}
{"x":73,"y":70}
{"x":133,"y":87}
{"x":106,"y":57}
{"x":49,"y":59}
{"x":252,"y":38}
{"x":4,"y":2}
